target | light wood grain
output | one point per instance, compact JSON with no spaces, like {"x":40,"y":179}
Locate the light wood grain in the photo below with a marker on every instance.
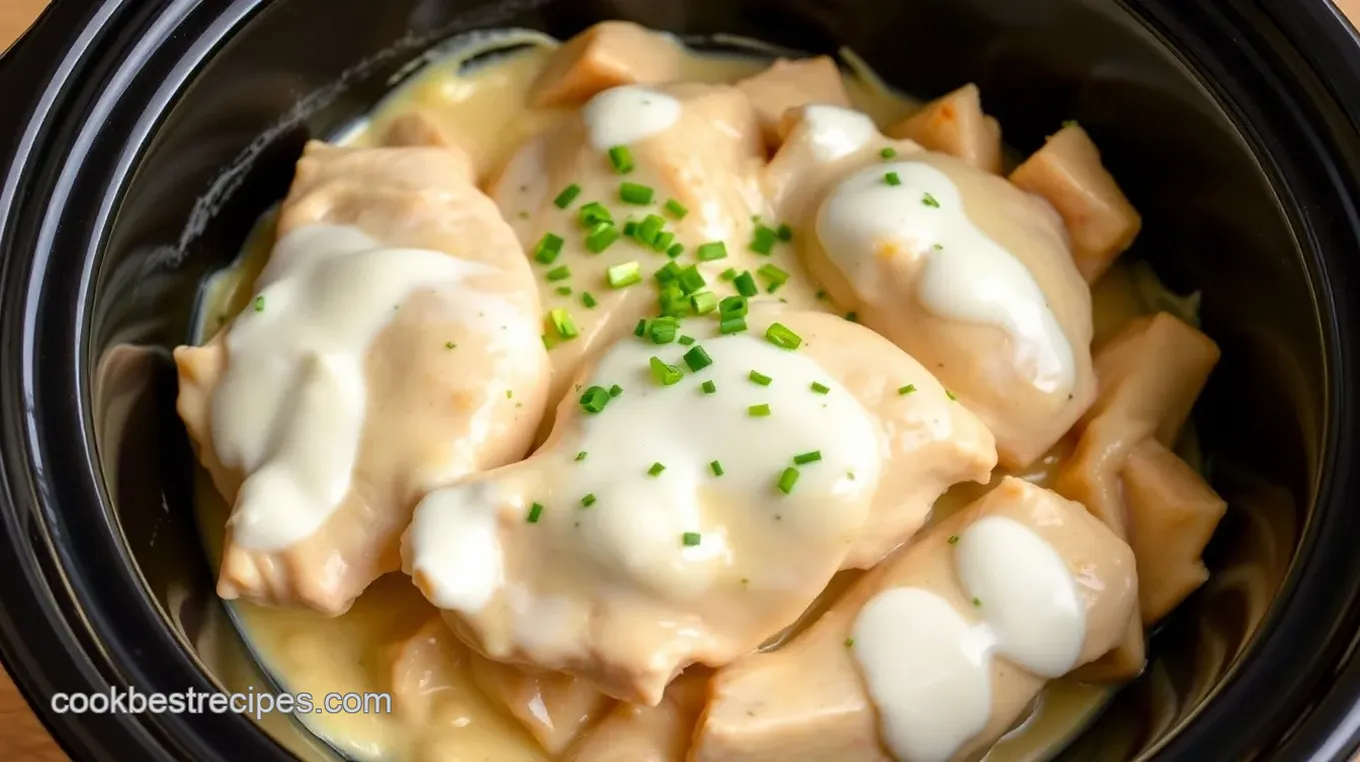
{"x":22,"y":737}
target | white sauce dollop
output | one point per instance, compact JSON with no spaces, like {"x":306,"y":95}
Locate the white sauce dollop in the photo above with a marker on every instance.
{"x":632,"y":534}
{"x":928,"y":671}
{"x":627,"y":114}
{"x":966,"y":276}
{"x":289,"y":411}
{"x":837,"y":132}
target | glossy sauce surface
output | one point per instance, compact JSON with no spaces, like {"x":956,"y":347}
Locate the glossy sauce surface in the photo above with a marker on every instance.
{"x":354,"y":652}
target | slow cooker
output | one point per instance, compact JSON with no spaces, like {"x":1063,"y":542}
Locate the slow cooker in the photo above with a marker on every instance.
{"x":142,"y":140}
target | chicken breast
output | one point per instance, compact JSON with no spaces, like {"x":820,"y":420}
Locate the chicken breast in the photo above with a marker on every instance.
{"x":696,"y":145}
{"x":955,"y":124}
{"x":392,"y":345}
{"x":660,"y":733}
{"x":956,"y":266}
{"x":553,"y":707}
{"x":791,"y":83}
{"x":695,"y":514}
{"x":608,"y":54}
{"x":937,"y":652}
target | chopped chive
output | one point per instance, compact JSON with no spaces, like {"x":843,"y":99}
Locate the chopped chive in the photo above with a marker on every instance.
{"x":717,"y":468}
{"x":564,"y":290}
{"x":594,"y":213}
{"x":662,"y":243}
{"x":888,"y":152}
{"x":630,"y":228}
{"x":588,"y":500}
{"x":802,"y":459}
{"x":977,"y":602}
{"x":780,"y":336}
{"x":662,"y":330}
{"x":709,"y":387}
{"x":953,"y":539}
{"x":691,"y":539}
{"x":650,"y":228}
{"x":594,"y":400}
{"x":675,"y":250}
{"x":259,"y":303}
{"x":929,"y":200}
{"x":758,"y":411}
{"x":562,"y":322}
{"x":821,"y":294}
{"x":775,"y":276}
{"x":763,"y":240}
{"x":745,"y":284}
{"x":535,"y":511}
{"x":509,"y":394}
{"x":450,"y":345}
{"x":686,"y":340}
{"x":711,"y":251}
{"x":567,"y":196}
{"x":615,"y":390}
{"x":641,"y":328}
{"x":729,"y":274}
{"x":852,"y":317}
{"x":784,"y":232}
{"x":787,"y":480}
{"x":759,"y":378}
{"x":938,"y":247}
{"x":581,"y":455}
{"x":732,"y":325}
{"x":588,"y":299}
{"x":602,"y":237}
{"x":667,"y":274}
{"x":677,"y":210}
{"x":672,"y":301}
{"x":656,"y":469}
{"x":559,"y":273}
{"x":549,"y":246}
{"x":908,"y":389}
{"x":704,"y":302}
{"x":732,"y":306}
{"x":950,"y":395}
{"x":820,"y":388}
{"x":697,"y":359}
{"x":622,"y":275}
{"x":666,"y":375}
{"x":622,"y":159}
{"x":632,"y":193}
{"x":892,"y":178}
{"x":850,"y":642}
{"x":690,"y":280}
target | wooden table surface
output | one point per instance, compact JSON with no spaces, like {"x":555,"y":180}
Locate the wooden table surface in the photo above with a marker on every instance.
{"x":22,"y":737}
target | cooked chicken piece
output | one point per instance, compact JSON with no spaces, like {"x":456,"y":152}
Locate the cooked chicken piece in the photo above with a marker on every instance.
{"x":1172,"y":514}
{"x":660,"y":733}
{"x":1150,"y":376}
{"x":606,"y":55}
{"x":553,"y":707}
{"x":364,"y":372}
{"x":956,"y":266}
{"x":788,"y":84}
{"x":1068,"y":174}
{"x":419,"y":667}
{"x":893,"y":670}
{"x":679,"y":525}
{"x":701,"y":148}
{"x":955,"y":124}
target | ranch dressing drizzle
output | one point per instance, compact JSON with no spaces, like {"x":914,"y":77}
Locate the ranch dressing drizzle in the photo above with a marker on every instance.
{"x":966,"y":276}
{"x":626,"y":114}
{"x":928,"y":670}
{"x":837,"y":132}
{"x":289,"y":411}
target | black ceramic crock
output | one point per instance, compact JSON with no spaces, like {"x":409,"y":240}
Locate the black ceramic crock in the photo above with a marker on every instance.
{"x":141,"y":140}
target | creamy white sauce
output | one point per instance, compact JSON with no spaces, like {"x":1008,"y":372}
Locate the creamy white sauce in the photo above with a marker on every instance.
{"x":835,"y":132}
{"x":627,"y":114}
{"x":469,"y":562}
{"x":290,"y":408}
{"x":928,"y":669}
{"x":1028,"y":596}
{"x":965,"y":276}
{"x":633,"y":533}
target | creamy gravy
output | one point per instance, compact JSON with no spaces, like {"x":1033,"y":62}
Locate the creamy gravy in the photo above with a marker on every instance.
{"x":358,"y":651}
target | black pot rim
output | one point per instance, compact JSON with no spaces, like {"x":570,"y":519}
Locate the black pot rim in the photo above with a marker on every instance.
{"x":1308,"y":62}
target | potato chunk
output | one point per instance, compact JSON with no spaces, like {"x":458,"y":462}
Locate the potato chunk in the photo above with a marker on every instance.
{"x":1067,"y":172}
{"x":955,"y":124}
{"x":609,"y":54}
{"x":788,"y":84}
